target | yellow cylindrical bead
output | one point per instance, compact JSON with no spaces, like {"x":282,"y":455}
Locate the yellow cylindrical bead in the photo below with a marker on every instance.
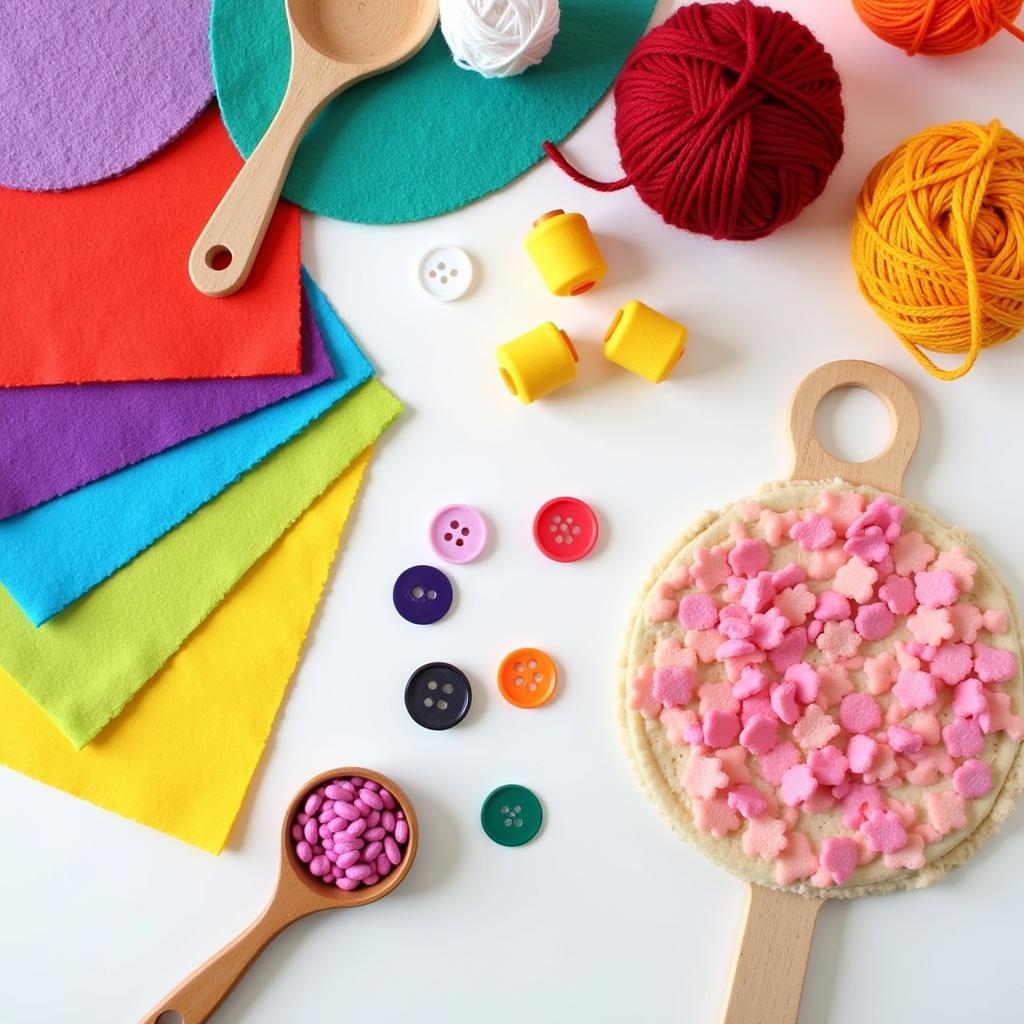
{"x":565,"y":252}
{"x":537,"y":363}
{"x":644,"y":341}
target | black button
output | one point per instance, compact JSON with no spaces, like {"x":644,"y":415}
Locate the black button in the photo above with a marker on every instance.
{"x":438,"y":696}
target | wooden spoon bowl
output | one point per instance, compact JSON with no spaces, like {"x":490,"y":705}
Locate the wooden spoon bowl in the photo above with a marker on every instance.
{"x":298,"y":895}
{"x":334,"y":44}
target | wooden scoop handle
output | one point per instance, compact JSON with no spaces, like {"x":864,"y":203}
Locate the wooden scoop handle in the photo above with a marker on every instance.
{"x":233,"y":235}
{"x":768,"y":975}
{"x":813,"y":462}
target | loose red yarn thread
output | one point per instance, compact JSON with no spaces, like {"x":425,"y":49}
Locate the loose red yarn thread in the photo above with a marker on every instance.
{"x":729,"y":120}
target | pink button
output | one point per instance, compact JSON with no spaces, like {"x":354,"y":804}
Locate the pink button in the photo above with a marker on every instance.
{"x":458,"y":533}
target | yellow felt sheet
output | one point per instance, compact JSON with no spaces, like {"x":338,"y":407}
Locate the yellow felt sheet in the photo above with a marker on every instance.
{"x":181,"y":756}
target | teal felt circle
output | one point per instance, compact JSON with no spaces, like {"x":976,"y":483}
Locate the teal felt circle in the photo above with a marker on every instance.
{"x":427,"y":137}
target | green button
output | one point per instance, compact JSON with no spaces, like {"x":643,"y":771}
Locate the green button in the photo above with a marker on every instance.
{"x":511,"y":815}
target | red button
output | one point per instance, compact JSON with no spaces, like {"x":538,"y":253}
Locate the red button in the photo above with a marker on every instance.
{"x":566,"y":529}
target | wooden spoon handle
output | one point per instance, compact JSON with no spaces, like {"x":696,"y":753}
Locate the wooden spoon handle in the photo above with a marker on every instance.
{"x":768,"y":975}
{"x":196,"y":998}
{"x":232,"y":236}
{"x":813,"y":462}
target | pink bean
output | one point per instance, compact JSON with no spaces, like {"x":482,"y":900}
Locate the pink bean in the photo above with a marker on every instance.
{"x":302,"y":818}
{"x":336,"y":825}
{"x":357,"y":871}
{"x":347,"y":859}
{"x":387,"y":819}
{"x":344,"y":842}
{"x":387,"y":798}
{"x":357,"y":827}
{"x":319,"y":866}
{"x":304,"y":852}
{"x":356,"y":780}
{"x":393,"y":853}
{"x":401,"y":830}
{"x":330,"y":854}
{"x":371,"y":851}
{"x":297,"y":832}
{"x":346,"y":810}
{"x":373,"y":800}
{"x":363,"y":807}
{"x":373,"y":819}
{"x":371,"y":785}
{"x":348,"y":884}
{"x":371,"y":879}
{"x":328,"y":813}
{"x":310,"y":831}
{"x":373,"y":834}
{"x":383,"y":865}
{"x":313,"y":802}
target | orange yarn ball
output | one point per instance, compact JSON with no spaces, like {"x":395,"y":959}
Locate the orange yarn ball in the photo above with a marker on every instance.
{"x":939,"y":27}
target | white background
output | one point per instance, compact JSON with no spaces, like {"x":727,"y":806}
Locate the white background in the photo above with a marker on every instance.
{"x":606,"y":916}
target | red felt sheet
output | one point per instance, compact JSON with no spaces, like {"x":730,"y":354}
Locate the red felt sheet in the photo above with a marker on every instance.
{"x":94,"y":282}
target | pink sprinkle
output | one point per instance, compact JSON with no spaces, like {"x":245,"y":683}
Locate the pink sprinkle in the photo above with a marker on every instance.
{"x":915,"y":690}
{"x":911,"y":553}
{"x":807,"y":680}
{"x":734,"y":622}
{"x":764,"y":837}
{"x":749,"y":557}
{"x":898,"y":594}
{"x":904,"y":740}
{"x":930,"y":626}
{"x":673,"y":687}
{"x":828,"y":765}
{"x":709,"y":570}
{"x":721,"y":728}
{"x":945,"y":810}
{"x":969,"y":699}
{"x":842,"y":507}
{"x":734,"y":649}
{"x":966,"y":621}
{"x":798,"y":784}
{"x":883,"y":513}
{"x":993,"y":664}
{"x":960,"y":565}
{"x":996,"y":621}
{"x":875,"y":621}
{"x":796,"y":861}
{"x":748,"y":800}
{"x":936,"y":589}
{"x":693,"y":734}
{"x":858,"y":801}
{"x":777,"y":761}
{"x":697,"y":611}
{"x":752,"y":680}
{"x":951,"y":663}
{"x":813,"y":532}
{"x":758,"y":592}
{"x":871,"y":545}
{"x":790,"y":651}
{"x":839,"y":857}
{"x":715,"y":816}
{"x":861,"y":752}
{"x":856,"y":580}
{"x":760,"y":734}
{"x":783,"y":697}
{"x":759,"y":704}
{"x":815,"y":729}
{"x":839,"y":640}
{"x":963,"y":738}
{"x":859,"y":713}
{"x":796,"y":604}
{"x":884,"y":831}
{"x":788,"y":576}
{"x":972,"y":779}
{"x":769,"y":629}
{"x":814,"y":628}
{"x":832,"y":607}
{"x":703,"y":776}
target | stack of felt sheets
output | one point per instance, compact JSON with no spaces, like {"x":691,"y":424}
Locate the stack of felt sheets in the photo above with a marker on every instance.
{"x":175,"y":475}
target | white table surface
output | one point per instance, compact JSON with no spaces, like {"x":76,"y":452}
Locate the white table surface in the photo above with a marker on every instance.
{"x":606,"y":916}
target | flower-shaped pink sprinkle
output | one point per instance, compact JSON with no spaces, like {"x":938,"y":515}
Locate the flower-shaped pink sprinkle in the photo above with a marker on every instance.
{"x":788,"y":576}
{"x":898,"y":594}
{"x":859,"y":712}
{"x":951,"y":663}
{"x":697,"y":611}
{"x":930,"y":626}
{"x":945,"y":809}
{"x":915,"y":690}
{"x":710,"y":569}
{"x":813,"y":532}
{"x":936,"y":589}
{"x":641,"y":697}
{"x":807,"y":679}
{"x":861,"y":752}
{"x":832,"y":607}
{"x":758,"y":592}
{"x":768,"y":629}
{"x":904,"y":740}
{"x":752,"y":680}
{"x":842,"y":507}
{"x":884,"y":831}
{"x":994,"y":664}
{"x":775,"y":763}
{"x":734,"y":622}
{"x":715,"y":816}
{"x":963,"y":738}
{"x":749,"y":557}
{"x":797,"y":861}
{"x":972,"y":779}
{"x":783,"y":697}
{"x":883,"y":513}
{"x":960,"y":565}
{"x":839,"y":640}
{"x":760,"y":734}
{"x":828,"y":765}
{"x":966,"y":621}
{"x":673,"y":687}
{"x":703,"y":776}
{"x":969,"y":699}
{"x":764,"y":837}
{"x":815,"y":729}
{"x":747,"y":800}
{"x":839,"y":857}
{"x":874,"y":621}
{"x":796,"y":603}
{"x":856,"y":580}
{"x":798,"y":785}
{"x":790,"y":650}
{"x":996,"y":621}
{"x":870,"y":545}
{"x":721,"y":728}
{"x":911,"y":553}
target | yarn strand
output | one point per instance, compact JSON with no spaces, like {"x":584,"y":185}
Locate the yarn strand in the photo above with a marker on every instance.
{"x":939,"y":27}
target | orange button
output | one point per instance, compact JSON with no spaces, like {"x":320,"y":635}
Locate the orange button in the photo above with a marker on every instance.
{"x":527,"y":678}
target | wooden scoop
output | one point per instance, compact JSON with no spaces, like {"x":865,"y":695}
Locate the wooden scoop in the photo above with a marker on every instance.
{"x":768,"y":975}
{"x":298,"y":895}
{"x":335,"y":43}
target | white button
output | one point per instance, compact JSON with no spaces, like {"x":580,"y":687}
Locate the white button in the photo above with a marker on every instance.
{"x":446,"y":272}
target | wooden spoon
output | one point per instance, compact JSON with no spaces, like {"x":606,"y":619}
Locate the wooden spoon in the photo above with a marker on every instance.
{"x":335,"y":43}
{"x":298,"y":895}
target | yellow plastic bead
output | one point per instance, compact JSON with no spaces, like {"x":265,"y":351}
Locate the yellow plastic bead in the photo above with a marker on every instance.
{"x":564,"y":251}
{"x":645,"y":342}
{"x":537,"y":363}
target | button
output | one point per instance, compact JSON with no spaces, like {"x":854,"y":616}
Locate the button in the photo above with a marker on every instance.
{"x":458,"y":534}
{"x":438,"y":696}
{"x":446,"y":272}
{"x":527,"y":678}
{"x":423,"y":595}
{"x":511,"y":815}
{"x":566,"y":529}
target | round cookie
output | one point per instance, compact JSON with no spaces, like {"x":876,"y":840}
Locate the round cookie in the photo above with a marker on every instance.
{"x":821,"y":690}
{"x":91,"y":90}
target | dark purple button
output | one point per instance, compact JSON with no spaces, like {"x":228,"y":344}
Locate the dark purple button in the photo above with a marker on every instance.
{"x":422,"y":595}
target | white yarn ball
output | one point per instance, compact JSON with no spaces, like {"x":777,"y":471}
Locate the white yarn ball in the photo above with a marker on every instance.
{"x":499,"y":38}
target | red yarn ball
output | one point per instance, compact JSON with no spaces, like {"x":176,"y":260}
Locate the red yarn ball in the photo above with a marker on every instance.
{"x":729,"y":120}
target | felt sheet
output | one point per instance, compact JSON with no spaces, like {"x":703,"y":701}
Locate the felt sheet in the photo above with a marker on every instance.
{"x":51,"y":555}
{"x":83,"y":666}
{"x":96,"y":285}
{"x":182,"y":755}
{"x":55,"y":439}
{"x":427,"y":137}
{"x":90,"y":88}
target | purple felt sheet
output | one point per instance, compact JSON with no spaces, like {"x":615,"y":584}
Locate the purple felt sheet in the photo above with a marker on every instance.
{"x":56,"y":439}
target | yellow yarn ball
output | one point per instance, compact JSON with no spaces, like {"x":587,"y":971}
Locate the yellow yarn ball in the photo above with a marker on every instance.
{"x":938,"y":241}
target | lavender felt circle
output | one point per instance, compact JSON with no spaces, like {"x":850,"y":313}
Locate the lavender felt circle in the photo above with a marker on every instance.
{"x":90,"y":88}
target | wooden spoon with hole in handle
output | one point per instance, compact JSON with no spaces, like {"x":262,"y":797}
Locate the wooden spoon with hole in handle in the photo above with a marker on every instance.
{"x":298,"y":895}
{"x":335,"y":43}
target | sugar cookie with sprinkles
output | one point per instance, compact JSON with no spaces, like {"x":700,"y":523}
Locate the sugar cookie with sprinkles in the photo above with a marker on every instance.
{"x":822,"y":686}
